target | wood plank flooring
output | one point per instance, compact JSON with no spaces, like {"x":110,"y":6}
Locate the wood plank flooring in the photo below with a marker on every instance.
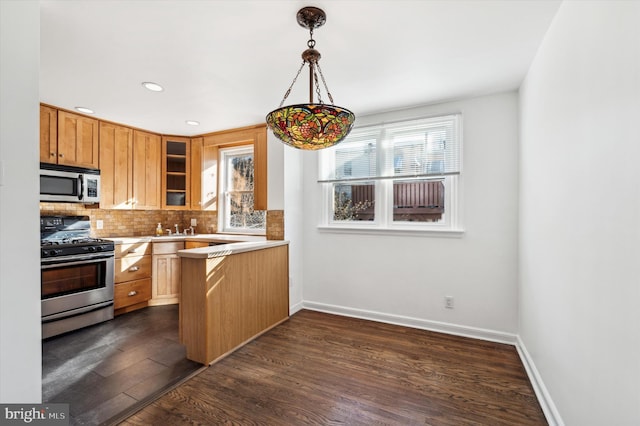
{"x":108,"y":369}
{"x":324,"y":369}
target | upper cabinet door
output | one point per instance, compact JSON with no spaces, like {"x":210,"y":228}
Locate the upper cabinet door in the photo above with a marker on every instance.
{"x":77,"y":140}
{"x":48,"y":134}
{"x":115,"y":166}
{"x":196,"y":173}
{"x":147,"y":158}
{"x":176,"y":178}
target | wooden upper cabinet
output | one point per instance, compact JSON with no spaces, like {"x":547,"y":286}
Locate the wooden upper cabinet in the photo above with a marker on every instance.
{"x":147,"y":157}
{"x":256,"y":136}
{"x":48,"y":134}
{"x":260,"y":169}
{"x":196,"y":173}
{"x":209,"y":177}
{"x":176,"y":178}
{"x":77,"y":140}
{"x":115,"y":166}
{"x":129,"y":168}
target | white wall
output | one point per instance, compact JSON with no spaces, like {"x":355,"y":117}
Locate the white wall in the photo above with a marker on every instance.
{"x":404,"y":279}
{"x":293,"y":223}
{"x":275,"y":172}
{"x":20,"y":348}
{"x":580,"y":213}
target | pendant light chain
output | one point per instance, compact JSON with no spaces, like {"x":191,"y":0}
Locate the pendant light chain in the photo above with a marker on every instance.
{"x":315,"y":80}
{"x":292,"y":83}
{"x":324,"y":83}
{"x":311,"y":43}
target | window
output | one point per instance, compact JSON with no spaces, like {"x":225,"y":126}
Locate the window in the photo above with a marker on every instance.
{"x":400,"y":176}
{"x":237,"y":184}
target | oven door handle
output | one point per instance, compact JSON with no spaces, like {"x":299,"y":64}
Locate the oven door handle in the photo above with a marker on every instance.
{"x":80,"y":260}
{"x":76,"y":312}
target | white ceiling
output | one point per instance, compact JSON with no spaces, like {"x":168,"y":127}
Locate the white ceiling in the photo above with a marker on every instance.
{"x":227,"y":63}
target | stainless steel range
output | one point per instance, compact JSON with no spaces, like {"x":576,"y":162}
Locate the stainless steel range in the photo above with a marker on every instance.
{"x":77,"y":274}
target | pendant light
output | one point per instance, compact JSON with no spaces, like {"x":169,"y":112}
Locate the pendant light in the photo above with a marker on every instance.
{"x":311,"y":126}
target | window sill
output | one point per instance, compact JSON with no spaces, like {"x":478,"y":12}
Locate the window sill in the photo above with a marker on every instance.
{"x":403,"y":232}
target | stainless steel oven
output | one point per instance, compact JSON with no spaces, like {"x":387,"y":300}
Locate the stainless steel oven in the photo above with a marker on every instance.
{"x":77,"y":275}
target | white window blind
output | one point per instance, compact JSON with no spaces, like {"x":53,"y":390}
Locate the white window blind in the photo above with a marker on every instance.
{"x":417,"y":148}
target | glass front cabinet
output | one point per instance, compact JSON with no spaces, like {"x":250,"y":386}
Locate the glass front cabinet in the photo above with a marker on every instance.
{"x":176,"y":178}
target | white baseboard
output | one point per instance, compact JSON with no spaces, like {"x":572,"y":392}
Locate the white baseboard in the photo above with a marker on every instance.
{"x":295,"y":308}
{"x":548,"y":407}
{"x":443,"y":327}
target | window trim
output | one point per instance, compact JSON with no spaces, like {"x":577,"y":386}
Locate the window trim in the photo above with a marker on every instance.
{"x":223,"y":217}
{"x":452,"y":226}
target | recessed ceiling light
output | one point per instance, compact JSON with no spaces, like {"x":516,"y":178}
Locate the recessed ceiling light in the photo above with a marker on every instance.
{"x":192,"y":123}
{"x":154,"y":87}
{"x":85,"y":110}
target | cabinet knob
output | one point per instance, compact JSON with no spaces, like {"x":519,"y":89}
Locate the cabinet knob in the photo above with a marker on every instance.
{"x":53,"y":154}
{"x":134,"y":268}
{"x":60,"y":155}
{"x":132,"y":293}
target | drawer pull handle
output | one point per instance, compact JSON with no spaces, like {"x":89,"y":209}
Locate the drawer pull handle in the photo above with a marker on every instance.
{"x":133,"y":251}
{"x":134,"y":268}
{"x":132,"y":293}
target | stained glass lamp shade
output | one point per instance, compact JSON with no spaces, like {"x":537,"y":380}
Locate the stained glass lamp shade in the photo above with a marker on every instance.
{"x":310,"y":126}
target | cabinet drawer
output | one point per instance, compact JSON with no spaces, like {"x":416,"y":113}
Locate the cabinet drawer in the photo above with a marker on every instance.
{"x":168,"y":247}
{"x":132,"y":249}
{"x":132,"y":268}
{"x":195,"y":244}
{"x":132,"y":292}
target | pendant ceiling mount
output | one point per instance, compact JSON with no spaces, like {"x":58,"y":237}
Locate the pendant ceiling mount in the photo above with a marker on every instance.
{"x":311,"y":126}
{"x":311,"y":17}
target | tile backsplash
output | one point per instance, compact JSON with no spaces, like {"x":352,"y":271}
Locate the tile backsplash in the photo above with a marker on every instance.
{"x":134,"y":223}
{"x":118,"y":223}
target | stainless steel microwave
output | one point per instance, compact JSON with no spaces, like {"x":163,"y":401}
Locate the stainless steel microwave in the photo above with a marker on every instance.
{"x":69,"y":184}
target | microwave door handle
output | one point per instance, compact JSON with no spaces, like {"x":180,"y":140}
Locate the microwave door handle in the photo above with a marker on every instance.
{"x":80,"y":187}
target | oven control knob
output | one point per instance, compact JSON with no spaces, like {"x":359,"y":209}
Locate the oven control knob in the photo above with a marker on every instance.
{"x":99,"y":248}
{"x":91,"y":249}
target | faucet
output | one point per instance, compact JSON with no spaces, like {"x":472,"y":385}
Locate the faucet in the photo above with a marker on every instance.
{"x":190,"y":229}
{"x":168,"y":231}
{"x":177,"y":230}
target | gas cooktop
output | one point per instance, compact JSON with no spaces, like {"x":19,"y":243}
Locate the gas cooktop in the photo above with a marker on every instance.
{"x":69,"y":235}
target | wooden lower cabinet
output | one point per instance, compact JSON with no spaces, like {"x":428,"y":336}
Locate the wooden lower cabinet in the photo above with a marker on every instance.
{"x":132,"y":277}
{"x":132,"y":293}
{"x":166,"y":273}
{"x":227,"y":301}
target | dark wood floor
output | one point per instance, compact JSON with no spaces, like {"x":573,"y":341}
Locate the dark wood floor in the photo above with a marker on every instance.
{"x":109,"y":370}
{"x":325,"y":369}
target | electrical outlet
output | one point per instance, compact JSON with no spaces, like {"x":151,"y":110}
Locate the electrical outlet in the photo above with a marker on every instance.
{"x":99,"y":224}
{"x":448,"y":302}
{"x":194,"y":222}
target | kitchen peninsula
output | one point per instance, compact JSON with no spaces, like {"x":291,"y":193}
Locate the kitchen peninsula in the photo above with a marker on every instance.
{"x":232,"y":288}
{"x":230,"y":294}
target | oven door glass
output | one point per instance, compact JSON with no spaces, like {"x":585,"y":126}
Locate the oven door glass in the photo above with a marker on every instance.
{"x":73,"y":277}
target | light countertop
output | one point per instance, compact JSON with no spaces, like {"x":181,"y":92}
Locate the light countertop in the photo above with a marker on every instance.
{"x":227,"y":243}
{"x":229,"y":249}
